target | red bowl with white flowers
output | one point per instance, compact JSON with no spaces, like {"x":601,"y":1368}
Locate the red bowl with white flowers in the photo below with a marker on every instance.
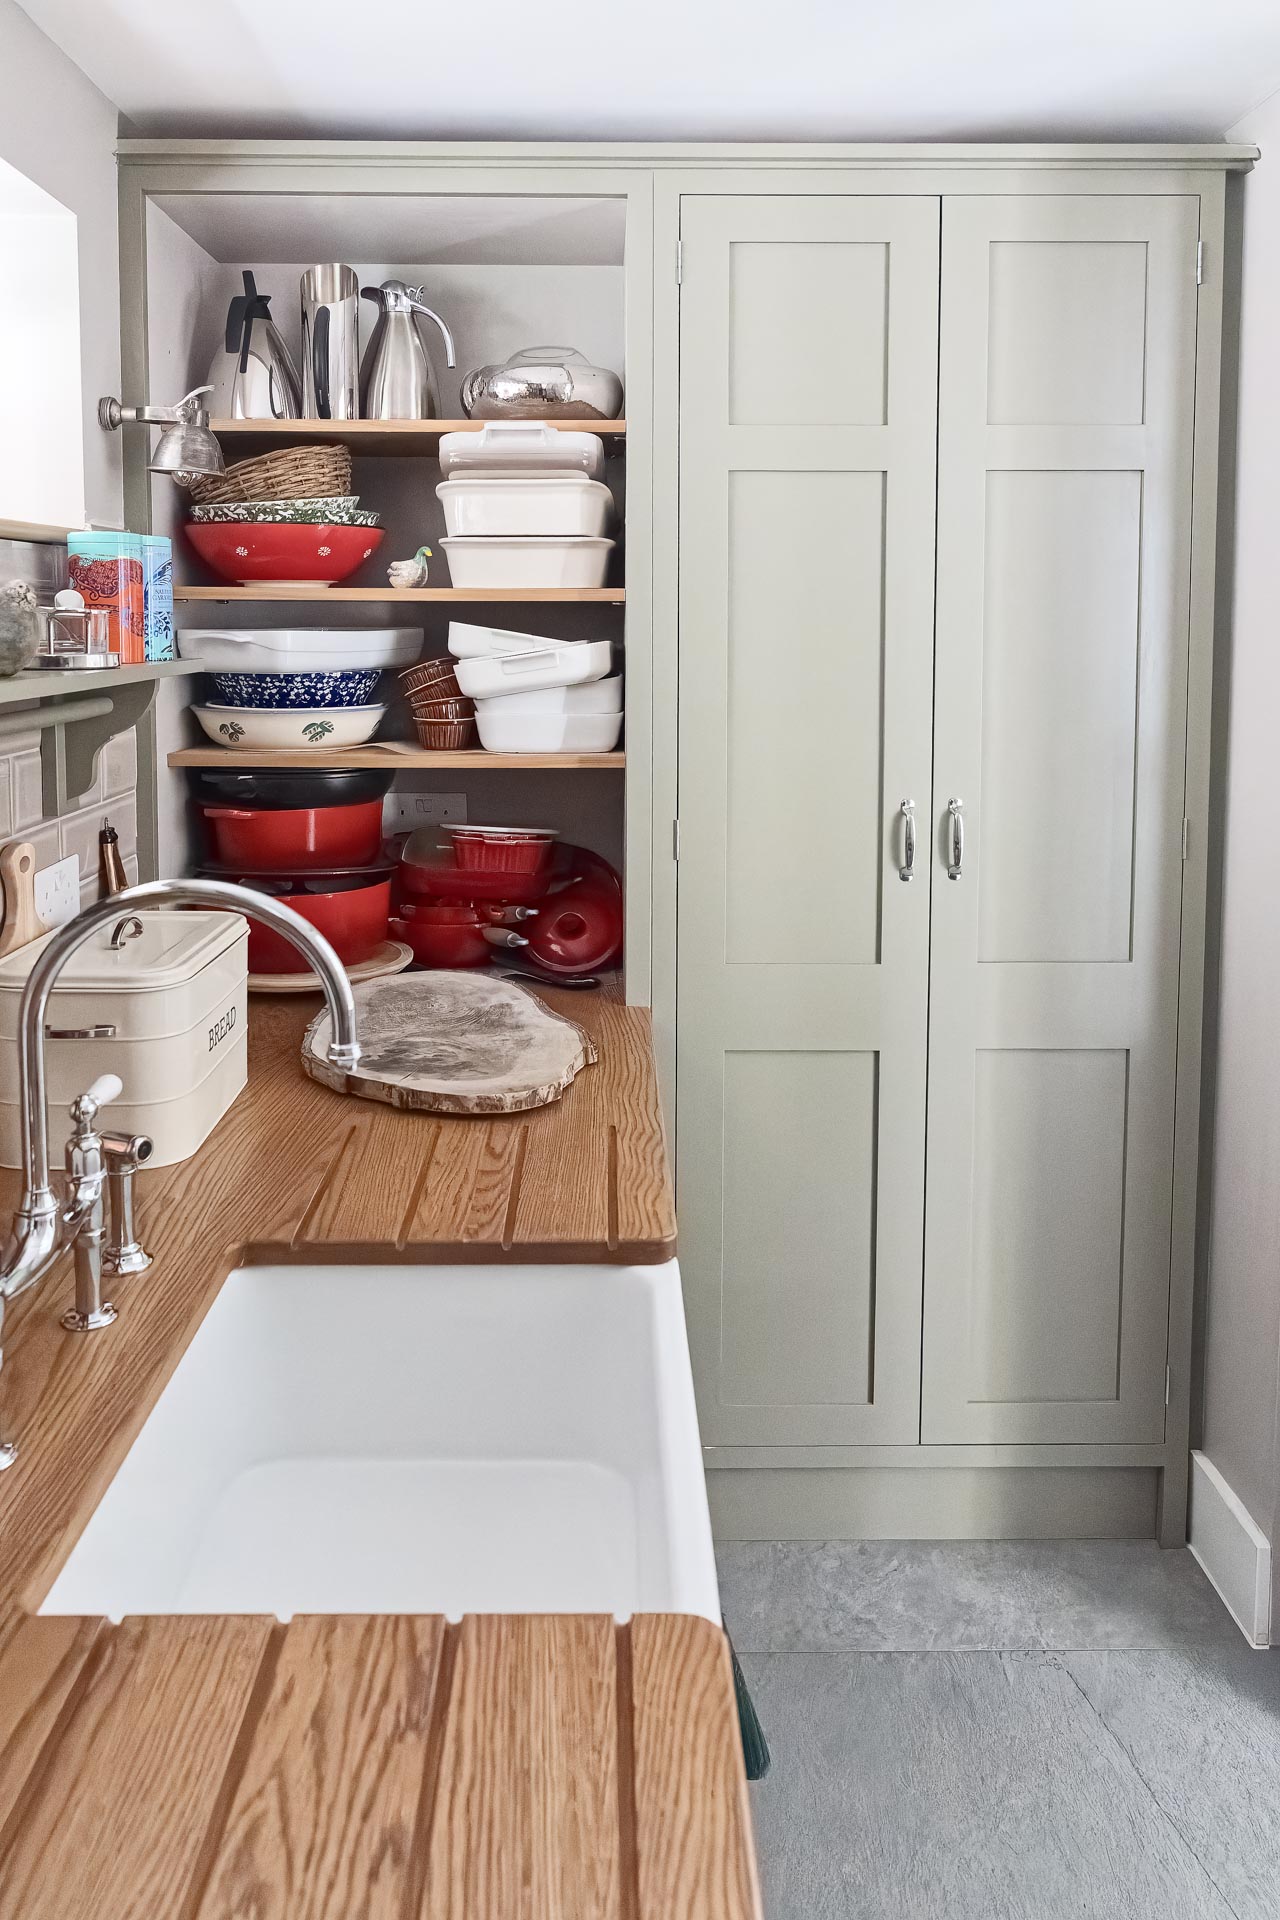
{"x":289,"y":554}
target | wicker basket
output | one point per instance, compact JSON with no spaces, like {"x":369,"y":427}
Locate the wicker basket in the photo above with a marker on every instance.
{"x":289,"y":473}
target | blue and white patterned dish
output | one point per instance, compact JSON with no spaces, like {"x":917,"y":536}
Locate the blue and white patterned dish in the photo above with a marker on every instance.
{"x":347,"y":687}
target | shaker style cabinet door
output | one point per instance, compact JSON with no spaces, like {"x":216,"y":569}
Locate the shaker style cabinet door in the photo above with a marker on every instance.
{"x":807,"y":481}
{"x":1066,"y":377}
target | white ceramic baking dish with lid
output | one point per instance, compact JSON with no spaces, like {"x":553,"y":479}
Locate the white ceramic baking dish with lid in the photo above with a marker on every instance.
{"x":174,"y":995}
{"x":545,"y":732}
{"x":541,"y":504}
{"x":565,"y":663}
{"x":524,"y":560}
{"x":299,"y":649}
{"x":521,"y":446}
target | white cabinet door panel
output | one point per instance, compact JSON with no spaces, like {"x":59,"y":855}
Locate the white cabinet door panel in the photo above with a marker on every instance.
{"x":807,"y":478}
{"x":1064,"y":508}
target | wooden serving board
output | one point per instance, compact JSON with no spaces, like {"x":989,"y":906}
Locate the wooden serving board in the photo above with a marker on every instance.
{"x":453,"y":1042}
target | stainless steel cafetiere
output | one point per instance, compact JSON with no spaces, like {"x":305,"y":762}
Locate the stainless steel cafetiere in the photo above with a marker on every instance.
{"x":330,"y":297}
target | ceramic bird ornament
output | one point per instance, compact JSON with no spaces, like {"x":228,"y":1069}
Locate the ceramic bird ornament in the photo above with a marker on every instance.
{"x":410,"y":573}
{"x":19,"y":627}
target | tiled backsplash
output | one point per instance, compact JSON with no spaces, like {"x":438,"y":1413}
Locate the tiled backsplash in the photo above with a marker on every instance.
{"x":112,"y":797}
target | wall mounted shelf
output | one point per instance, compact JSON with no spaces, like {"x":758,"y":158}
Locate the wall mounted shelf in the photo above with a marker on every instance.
{"x":403,"y":438}
{"x":38,"y":685}
{"x":406,"y":758}
{"x":76,"y":714}
{"x":379,"y":596}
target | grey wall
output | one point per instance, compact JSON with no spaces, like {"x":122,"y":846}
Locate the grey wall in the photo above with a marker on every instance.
{"x":1242,"y":1345}
{"x":60,"y":131}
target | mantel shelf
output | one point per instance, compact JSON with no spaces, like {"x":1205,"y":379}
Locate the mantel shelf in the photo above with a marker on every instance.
{"x":391,"y":758}
{"x":404,"y":438}
{"x":378,"y":596}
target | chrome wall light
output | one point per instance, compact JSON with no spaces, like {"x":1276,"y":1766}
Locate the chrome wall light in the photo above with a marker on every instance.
{"x":186,"y":449}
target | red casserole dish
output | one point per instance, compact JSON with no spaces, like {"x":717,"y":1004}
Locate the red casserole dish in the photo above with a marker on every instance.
{"x":577,"y":931}
{"x":351,"y":910}
{"x":281,"y":840}
{"x":439,"y":878}
{"x":444,"y":934}
{"x":502,"y":849}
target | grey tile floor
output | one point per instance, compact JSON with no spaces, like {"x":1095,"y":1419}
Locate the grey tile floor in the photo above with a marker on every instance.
{"x":1005,"y":1731}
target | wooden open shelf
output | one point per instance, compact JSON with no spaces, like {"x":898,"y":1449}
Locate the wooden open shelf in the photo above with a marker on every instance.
{"x":377,"y":596}
{"x":406,"y":438}
{"x":406,"y":758}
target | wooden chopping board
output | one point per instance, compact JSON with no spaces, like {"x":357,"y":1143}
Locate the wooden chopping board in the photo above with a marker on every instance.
{"x":445,"y":1042}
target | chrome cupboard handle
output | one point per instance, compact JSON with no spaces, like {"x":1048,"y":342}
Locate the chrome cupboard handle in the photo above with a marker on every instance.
{"x":908,"y":812}
{"x":955,"y":811}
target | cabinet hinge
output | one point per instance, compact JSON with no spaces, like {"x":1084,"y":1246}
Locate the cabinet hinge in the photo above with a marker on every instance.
{"x":1167,"y":1384}
{"x":679,"y":261}
{"x":675,"y":839}
{"x":1199,"y":261}
{"x":1186,"y":838}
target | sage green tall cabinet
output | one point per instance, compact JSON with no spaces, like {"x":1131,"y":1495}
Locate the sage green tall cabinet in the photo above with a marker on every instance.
{"x":937,"y":475}
{"x":920,"y":524}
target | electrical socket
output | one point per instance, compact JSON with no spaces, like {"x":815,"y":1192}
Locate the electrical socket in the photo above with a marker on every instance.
{"x":57,"y":890}
{"x":412,"y":808}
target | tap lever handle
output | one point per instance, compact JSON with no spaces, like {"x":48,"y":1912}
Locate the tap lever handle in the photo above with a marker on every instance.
{"x":107,"y":1087}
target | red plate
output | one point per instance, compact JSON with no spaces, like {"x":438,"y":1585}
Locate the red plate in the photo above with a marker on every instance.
{"x":245,"y":551}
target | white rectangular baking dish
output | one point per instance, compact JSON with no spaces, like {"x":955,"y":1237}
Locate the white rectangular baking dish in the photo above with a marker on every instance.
{"x":519,"y":560}
{"x":565,"y":663}
{"x":542,"y":504}
{"x":299,"y":649}
{"x":468,"y":641}
{"x":175,"y":995}
{"x":546,"y":732}
{"x":521,"y":446}
{"x":589,"y":696}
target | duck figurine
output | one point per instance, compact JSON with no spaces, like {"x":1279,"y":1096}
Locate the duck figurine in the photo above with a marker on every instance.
{"x":410,"y":573}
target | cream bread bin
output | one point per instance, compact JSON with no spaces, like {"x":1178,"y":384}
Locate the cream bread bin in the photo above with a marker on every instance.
{"x":176,"y":994}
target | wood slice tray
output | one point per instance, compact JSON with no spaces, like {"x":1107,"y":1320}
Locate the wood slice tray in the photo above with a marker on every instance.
{"x":453,"y":1042}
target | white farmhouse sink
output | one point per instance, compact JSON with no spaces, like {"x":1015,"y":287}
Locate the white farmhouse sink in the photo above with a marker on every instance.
{"x":415,"y":1440}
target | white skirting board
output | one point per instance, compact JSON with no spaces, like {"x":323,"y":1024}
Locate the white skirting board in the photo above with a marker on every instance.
{"x":1232,"y":1549}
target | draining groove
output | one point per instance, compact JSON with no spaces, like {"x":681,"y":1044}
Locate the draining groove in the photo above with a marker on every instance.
{"x":612,"y":1230}
{"x":628,"y":1845}
{"x":513,"y":1191}
{"x":255,"y":1706}
{"x":303,"y":1228}
{"x":29,"y":1792}
{"x":419,"y":1188}
{"x":424,"y":1816}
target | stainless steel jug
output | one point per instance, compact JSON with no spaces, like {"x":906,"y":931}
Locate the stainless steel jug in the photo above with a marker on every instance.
{"x":330,"y":343}
{"x":253,"y":376}
{"x":396,"y":382}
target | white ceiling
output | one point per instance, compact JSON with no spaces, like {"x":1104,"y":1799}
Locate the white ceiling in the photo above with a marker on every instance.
{"x":676,"y":69}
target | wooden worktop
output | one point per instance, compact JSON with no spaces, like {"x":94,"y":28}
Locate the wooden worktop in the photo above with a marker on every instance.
{"x":200,"y":1768}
